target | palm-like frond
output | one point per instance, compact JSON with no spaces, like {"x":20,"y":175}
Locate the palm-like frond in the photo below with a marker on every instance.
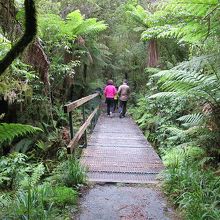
{"x":193,"y":135}
{"x":139,"y":14}
{"x":90,"y":27}
{"x":78,"y":25}
{"x":74,"y":26}
{"x":164,"y":95}
{"x":196,"y":16}
{"x":175,"y":156}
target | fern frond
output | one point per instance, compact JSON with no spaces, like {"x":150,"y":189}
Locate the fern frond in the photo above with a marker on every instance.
{"x":176,"y":133}
{"x":75,"y":25}
{"x":180,"y":19}
{"x":9,"y":131}
{"x":90,"y":27}
{"x":139,"y":14}
{"x":178,"y":155}
{"x":191,"y":77}
{"x":37,"y":174}
{"x":192,"y":119}
{"x":33,"y":180}
{"x":74,"y":19}
{"x":164,"y":95}
{"x":185,"y":135}
{"x":187,"y":144}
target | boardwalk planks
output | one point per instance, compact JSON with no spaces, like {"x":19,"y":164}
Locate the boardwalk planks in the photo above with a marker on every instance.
{"x":118,"y":152}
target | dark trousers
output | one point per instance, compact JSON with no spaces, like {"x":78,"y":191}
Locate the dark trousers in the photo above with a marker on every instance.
{"x":110,"y":105}
{"x":115,"y":104}
{"x":122,"y":107}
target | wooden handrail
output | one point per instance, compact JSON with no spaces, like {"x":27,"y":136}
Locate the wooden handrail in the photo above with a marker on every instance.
{"x":69,"y":107}
{"x":79,"y":134}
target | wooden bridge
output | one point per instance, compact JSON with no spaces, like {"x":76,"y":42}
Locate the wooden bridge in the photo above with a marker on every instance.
{"x":116,"y":151}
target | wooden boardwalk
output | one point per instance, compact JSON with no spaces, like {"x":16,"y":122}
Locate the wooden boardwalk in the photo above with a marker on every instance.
{"x":118,"y":152}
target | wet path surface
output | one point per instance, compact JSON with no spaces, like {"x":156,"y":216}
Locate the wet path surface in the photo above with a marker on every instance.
{"x":118,"y":152}
{"x":111,"y":202}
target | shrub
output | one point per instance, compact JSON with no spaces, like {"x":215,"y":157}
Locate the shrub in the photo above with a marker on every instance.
{"x":12,"y":168}
{"x":195,"y":190}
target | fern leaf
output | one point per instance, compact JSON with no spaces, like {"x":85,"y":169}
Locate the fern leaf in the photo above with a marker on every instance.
{"x":194,"y":77}
{"x":33,"y":180}
{"x":164,"y":95}
{"x":192,"y":119}
{"x":9,"y":131}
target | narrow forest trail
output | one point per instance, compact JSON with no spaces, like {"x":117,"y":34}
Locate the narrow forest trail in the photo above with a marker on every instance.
{"x":118,"y":153}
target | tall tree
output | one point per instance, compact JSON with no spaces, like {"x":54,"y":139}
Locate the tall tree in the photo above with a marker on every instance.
{"x":142,"y":17}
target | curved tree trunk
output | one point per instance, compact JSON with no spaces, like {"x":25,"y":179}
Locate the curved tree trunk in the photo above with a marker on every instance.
{"x":28,"y":36}
{"x":34,"y":55}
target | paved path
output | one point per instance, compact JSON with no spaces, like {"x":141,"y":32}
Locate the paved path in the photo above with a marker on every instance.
{"x":118,"y":152}
{"x":124,"y":202}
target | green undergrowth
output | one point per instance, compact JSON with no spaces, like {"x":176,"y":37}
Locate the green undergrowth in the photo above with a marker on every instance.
{"x":32,"y":193}
{"x":191,"y":186}
{"x":190,"y":182}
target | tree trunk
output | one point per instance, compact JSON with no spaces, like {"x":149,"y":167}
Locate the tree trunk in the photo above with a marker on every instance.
{"x":7,"y":19}
{"x":153,"y":54}
{"x":36,"y":57}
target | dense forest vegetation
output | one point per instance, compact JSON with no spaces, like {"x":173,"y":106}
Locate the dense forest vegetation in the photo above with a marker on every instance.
{"x":168,"y":51}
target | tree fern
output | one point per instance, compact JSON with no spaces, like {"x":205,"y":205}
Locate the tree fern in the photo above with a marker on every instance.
{"x":139,"y":14}
{"x":9,"y":131}
{"x":181,"y":19}
{"x":191,"y":77}
{"x":74,"y":26}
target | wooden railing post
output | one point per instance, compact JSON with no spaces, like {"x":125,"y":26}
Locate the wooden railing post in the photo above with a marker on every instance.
{"x":68,"y":108}
{"x":71,"y":125}
{"x":84,"y":120}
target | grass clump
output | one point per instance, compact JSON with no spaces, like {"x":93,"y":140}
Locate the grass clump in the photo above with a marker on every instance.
{"x":192,"y":188}
{"x":63,"y":196}
{"x":70,"y":173}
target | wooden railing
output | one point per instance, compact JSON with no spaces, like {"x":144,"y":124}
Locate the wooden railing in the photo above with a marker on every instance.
{"x":68,"y":108}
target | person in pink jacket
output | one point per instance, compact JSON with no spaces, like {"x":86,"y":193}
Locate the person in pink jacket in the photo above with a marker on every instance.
{"x":110,"y":91}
